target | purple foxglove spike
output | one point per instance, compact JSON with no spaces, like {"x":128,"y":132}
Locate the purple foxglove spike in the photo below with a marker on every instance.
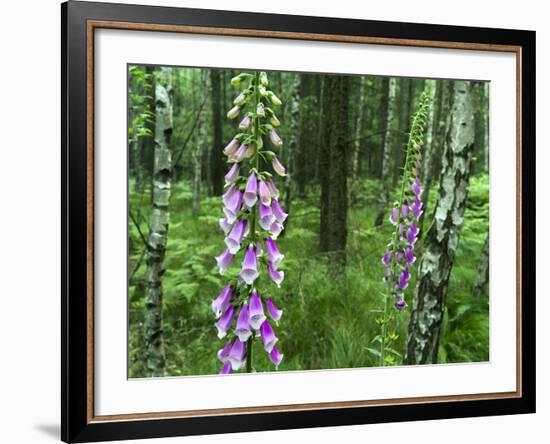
{"x":239,"y":154}
{"x":278,"y":167}
{"x":233,"y":206}
{"x":226,"y":197}
{"x":220,"y":304}
{"x":394,"y":215}
{"x":232,"y":175}
{"x":278,"y":212}
{"x":233,"y":241}
{"x":275,"y":275}
{"x":275,"y":139}
{"x":233,"y":112}
{"x":236,"y":355}
{"x":268,"y":336}
{"x":400,"y":304}
{"x":249,"y":271}
{"x":273,"y":311}
{"x":231,"y":147}
{"x":245,"y":123}
{"x":226,"y":369}
{"x":276,"y":357}
{"x":273,"y":189}
{"x":412,"y":233}
{"x":224,"y":323}
{"x":251,"y":191}
{"x":242,"y":329}
{"x":265,"y":194}
{"x":386,"y":259}
{"x":223,"y":353}
{"x":259,"y":249}
{"x":275,"y":230}
{"x":416,"y":188}
{"x":256,"y":314}
{"x":224,"y":260}
{"x":409,"y":255}
{"x":225,"y":226}
{"x":404,"y":278}
{"x":266,"y":217}
{"x":273,"y":254}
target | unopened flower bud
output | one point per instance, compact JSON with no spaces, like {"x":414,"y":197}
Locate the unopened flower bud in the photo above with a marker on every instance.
{"x":274,"y":99}
{"x":263,"y":79}
{"x":240,"y":99}
{"x":260,"y":110}
{"x":274,"y":121}
{"x":233,"y":112}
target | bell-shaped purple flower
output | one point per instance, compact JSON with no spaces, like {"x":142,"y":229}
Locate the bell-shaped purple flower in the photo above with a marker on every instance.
{"x":224,"y":225}
{"x":386,"y":259}
{"x":278,"y":212}
{"x":409,"y":255}
{"x":275,"y":229}
{"x":274,"y":312}
{"x":273,"y":253}
{"x":416,"y":208}
{"x":233,"y":206}
{"x":265,"y":194}
{"x":256,"y":314}
{"x":226,"y":369}
{"x":245,"y":123}
{"x":226,"y":197}
{"x":249,"y":271}
{"x":220,"y":304}
{"x":404,"y":278}
{"x":394,"y":215}
{"x":268,"y":336}
{"x":400,"y":304}
{"x":224,"y":323}
{"x":275,"y":356}
{"x":276,"y":276}
{"x":232,"y":174}
{"x":275,"y":139}
{"x":242,"y":329}
{"x":404,"y":210}
{"x":278,"y":167}
{"x":266,"y":217}
{"x":251,"y":191}
{"x":237,"y":354}
{"x":412,"y":233}
{"x":416,"y":188}
{"x":239,"y":154}
{"x":273,"y":189}
{"x":223,"y":353}
{"x":224,"y":260}
{"x":233,"y":241}
{"x":231,"y":147}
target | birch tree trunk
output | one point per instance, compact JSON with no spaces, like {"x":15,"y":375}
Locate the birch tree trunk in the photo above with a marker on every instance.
{"x":444,"y":233}
{"x":292,"y":144}
{"x":158,"y":235}
{"x":384,"y":194}
{"x":198,"y":149}
{"x":482,"y":278}
{"x":357,"y":141}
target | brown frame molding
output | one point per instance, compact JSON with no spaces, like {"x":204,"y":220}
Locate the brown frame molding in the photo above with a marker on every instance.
{"x":92,"y":25}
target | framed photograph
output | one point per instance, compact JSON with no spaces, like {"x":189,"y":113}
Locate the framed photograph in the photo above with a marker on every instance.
{"x":275,"y":221}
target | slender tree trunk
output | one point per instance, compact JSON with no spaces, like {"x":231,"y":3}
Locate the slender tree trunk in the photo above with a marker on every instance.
{"x":292,"y":144}
{"x":384,"y":194}
{"x":217,"y":163}
{"x":322,"y":131}
{"x":323,"y":163}
{"x":147,"y":144}
{"x":199,"y":149}
{"x":482,"y":278}
{"x":444,"y":233}
{"x":357,"y":141}
{"x":158,"y":235}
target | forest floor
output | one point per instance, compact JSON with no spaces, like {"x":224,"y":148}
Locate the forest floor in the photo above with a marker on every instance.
{"x":328,"y":322}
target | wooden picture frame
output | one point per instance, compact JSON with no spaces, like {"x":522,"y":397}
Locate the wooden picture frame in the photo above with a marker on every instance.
{"x":79,"y":22}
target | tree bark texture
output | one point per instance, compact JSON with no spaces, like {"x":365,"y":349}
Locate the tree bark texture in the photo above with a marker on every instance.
{"x":443,"y":235}
{"x":199,"y":148}
{"x":334,"y":195}
{"x":384,"y":194}
{"x":158,"y":235}
{"x":217,"y":163}
{"x":482,"y":278}
{"x":357,"y":141}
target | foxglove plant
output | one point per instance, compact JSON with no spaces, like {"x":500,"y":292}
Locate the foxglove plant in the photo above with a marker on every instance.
{"x":253,"y":219}
{"x":404,"y":216}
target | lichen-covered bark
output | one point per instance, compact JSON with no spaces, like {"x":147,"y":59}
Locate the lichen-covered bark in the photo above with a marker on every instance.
{"x":292,"y":144}
{"x":444,"y":233}
{"x":384,"y":194}
{"x":199,"y":148}
{"x":158,"y":234}
{"x":482,"y":278}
